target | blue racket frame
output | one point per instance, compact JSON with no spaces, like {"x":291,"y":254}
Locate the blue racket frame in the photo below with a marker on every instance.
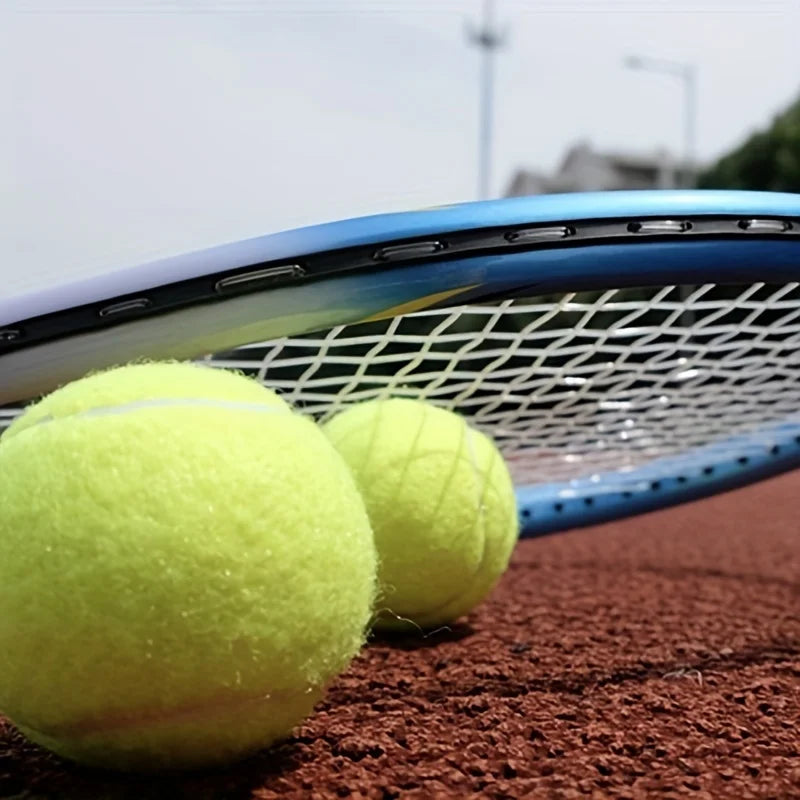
{"x":725,"y":465}
{"x":346,"y":272}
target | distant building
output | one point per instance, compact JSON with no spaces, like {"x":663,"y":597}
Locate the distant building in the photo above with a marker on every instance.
{"x":586,"y":170}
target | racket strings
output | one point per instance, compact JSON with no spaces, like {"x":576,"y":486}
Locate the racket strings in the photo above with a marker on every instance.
{"x":567,"y":385}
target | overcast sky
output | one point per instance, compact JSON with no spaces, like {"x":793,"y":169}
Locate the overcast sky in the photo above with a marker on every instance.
{"x":139,"y":128}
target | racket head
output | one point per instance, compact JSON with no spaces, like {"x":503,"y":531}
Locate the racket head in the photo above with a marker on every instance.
{"x":376,"y":270}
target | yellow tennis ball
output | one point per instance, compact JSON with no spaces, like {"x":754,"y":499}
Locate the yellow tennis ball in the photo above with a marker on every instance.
{"x":441,"y":502}
{"x":184,"y":565}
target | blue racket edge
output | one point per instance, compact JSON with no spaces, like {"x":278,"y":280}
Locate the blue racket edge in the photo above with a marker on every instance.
{"x":380,"y":229}
{"x":195,"y":331}
{"x":551,"y":508}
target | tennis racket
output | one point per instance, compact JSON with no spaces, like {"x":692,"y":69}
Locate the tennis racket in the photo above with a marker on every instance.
{"x":626,"y":350}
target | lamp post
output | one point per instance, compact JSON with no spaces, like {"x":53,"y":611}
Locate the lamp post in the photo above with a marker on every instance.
{"x":488,"y":39}
{"x":687,"y":74}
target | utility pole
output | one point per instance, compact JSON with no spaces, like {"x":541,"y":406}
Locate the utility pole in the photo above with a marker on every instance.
{"x":687,"y":74}
{"x":489,"y":39}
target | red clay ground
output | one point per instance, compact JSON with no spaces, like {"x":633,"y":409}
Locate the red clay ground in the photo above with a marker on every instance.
{"x":656,"y":657}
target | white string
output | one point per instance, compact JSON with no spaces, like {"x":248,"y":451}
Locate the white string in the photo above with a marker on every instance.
{"x":570,"y":385}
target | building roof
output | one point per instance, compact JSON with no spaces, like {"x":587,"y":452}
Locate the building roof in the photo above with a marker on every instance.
{"x":584,"y":169}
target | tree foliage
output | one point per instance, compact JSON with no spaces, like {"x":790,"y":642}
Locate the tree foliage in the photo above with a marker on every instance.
{"x":769,"y":160}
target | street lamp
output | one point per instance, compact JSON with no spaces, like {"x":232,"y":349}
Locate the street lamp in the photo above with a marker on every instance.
{"x":687,"y":74}
{"x":488,"y":39}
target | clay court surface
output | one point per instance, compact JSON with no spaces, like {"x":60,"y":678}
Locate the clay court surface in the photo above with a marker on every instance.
{"x":655,"y":657}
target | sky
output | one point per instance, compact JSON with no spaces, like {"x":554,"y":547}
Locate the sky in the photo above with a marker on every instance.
{"x":133,"y":129}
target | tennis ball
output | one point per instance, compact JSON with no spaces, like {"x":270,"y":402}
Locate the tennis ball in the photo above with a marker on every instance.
{"x":184,"y":565}
{"x":441,"y":502}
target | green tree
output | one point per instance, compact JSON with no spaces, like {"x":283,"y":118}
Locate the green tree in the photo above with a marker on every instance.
{"x":768,"y":160}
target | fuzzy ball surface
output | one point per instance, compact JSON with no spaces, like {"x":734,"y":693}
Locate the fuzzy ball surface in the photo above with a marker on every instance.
{"x":441,"y":502}
{"x":185,"y":564}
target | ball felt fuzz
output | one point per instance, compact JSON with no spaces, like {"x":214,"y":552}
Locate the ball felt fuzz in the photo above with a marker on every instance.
{"x":441,"y":502}
{"x":146,"y":382}
{"x":184,"y":564}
